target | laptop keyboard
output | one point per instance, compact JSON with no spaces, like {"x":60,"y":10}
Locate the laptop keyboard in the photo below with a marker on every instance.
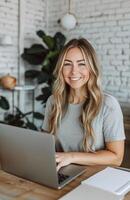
{"x":62,"y":177}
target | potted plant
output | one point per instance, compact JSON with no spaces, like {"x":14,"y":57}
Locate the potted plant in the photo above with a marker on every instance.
{"x":22,"y":120}
{"x":45,"y":55}
{"x":18,"y":118}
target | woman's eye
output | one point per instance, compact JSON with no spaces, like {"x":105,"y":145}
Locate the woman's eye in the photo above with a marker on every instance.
{"x":81,"y":64}
{"x":67,"y":64}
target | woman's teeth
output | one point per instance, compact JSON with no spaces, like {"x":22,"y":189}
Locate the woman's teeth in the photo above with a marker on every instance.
{"x":75,"y":78}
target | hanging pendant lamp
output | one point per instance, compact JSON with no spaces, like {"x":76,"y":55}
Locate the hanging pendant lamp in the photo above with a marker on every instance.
{"x":68,"y":21}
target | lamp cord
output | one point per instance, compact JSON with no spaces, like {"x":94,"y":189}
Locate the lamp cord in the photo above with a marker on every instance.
{"x":69,"y":6}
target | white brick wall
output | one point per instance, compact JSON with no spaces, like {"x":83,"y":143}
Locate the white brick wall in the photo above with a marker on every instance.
{"x":106,"y":24}
{"x":35,"y":18}
{"x":8,"y":26}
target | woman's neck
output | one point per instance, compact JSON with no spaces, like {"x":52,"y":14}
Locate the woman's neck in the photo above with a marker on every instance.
{"x":77,"y":96}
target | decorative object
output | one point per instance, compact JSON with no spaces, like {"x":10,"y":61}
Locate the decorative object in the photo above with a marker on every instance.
{"x":68,"y":21}
{"x":8,"y":82}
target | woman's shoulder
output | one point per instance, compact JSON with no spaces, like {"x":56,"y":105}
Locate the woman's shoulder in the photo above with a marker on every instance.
{"x":110,"y":102}
{"x":50,"y":99}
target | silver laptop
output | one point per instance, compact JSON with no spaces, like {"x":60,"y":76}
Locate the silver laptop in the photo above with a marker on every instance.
{"x":31,"y":155}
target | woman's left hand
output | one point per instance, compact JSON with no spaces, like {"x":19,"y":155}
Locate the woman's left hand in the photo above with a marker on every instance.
{"x":63,"y":159}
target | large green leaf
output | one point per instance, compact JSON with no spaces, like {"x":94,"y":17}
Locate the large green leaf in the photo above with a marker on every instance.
{"x":31,"y":125}
{"x":38,"y":115}
{"x":8,"y":117}
{"x":59,"y":40}
{"x":33,"y":59}
{"x":46,"y":64}
{"x":43,"y":77}
{"x":36,"y":49}
{"x":32,"y":73}
{"x":40,"y":33}
{"x":35,"y":54}
{"x":49,"y":41}
{"x":4,"y":104}
{"x":46,"y":92}
{"x":49,"y":62}
{"x":16,"y":122}
{"x":52,"y":54}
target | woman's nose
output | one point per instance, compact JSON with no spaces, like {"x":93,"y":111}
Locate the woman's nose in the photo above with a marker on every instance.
{"x":75,"y":68}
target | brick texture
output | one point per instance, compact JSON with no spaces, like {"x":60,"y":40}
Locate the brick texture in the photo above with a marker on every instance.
{"x":35,"y":19}
{"x":106,"y":24}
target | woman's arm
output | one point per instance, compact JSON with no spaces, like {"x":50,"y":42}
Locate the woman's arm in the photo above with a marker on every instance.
{"x":112,"y":155}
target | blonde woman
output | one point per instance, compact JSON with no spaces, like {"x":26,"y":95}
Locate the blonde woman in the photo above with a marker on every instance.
{"x":87,"y":123}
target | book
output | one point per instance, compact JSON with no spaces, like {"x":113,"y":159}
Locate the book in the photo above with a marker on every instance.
{"x":87,"y":192}
{"x":111,"y":179}
{"x":108,"y":184}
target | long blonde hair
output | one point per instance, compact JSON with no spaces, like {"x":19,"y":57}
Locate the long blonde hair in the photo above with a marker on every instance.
{"x":61,"y":90}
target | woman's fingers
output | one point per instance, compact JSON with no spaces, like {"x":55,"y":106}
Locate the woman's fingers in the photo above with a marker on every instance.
{"x":62,"y":159}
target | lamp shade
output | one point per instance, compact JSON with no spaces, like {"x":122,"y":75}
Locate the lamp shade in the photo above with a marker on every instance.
{"x":68,"y":21}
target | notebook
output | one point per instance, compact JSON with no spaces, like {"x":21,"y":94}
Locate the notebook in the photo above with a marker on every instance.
{"x":110,"y":183}
{"x":111,"y":179}
{"x":87,"y":192}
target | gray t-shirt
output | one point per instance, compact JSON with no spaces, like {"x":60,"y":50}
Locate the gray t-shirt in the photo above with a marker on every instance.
{"x":108,"y":125}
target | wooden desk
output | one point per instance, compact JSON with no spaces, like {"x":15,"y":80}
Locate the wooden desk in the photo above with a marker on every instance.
{"x":14,"y":188}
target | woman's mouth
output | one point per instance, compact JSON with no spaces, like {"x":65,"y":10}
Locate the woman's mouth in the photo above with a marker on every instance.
{"x":75,"y":78}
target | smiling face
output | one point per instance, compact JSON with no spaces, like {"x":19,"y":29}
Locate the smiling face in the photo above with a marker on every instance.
{"x":75,"y":69}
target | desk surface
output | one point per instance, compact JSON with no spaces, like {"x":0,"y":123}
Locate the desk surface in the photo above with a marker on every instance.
{"x":14,"y":188}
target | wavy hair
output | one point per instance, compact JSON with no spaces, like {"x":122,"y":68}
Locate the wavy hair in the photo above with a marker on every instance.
{"x":61,"y":92}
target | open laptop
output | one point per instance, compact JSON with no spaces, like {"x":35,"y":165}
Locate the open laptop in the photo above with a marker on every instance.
{"x":31,"y":155}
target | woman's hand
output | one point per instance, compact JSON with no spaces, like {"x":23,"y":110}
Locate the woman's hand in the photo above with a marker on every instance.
{"x":63,"y":159}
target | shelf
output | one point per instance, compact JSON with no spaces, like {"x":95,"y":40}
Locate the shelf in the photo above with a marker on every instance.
{"x":24,"y":87}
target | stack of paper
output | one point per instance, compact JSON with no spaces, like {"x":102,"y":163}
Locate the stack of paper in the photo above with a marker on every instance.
{"x":86,"y":192}
{"x":108,"y":184}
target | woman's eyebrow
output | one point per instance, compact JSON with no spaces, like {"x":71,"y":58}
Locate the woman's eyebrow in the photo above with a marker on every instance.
{"x":81,"y":60}
{"x":68,"y":60}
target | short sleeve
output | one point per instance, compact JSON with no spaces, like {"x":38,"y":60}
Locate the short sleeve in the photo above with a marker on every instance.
{"x":113,"y":125}
{"x":48,"y":109}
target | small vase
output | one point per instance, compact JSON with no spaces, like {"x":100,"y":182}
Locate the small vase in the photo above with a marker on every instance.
{"x":8,"y":82}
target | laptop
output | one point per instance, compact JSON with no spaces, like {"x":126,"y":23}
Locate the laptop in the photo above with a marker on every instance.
{"x":31,"y":155}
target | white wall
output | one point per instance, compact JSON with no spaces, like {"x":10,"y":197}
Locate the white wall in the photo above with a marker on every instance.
{"x":34,"y":14}
{"x":106,"y":24}
{"x":9,"y":26}
{"x":32,"y":18}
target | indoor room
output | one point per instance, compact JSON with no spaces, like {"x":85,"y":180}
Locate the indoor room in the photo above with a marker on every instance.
{"x":64,"y":70}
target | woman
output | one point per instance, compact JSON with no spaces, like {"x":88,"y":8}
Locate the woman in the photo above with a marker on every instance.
{"x":87,"y":123}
